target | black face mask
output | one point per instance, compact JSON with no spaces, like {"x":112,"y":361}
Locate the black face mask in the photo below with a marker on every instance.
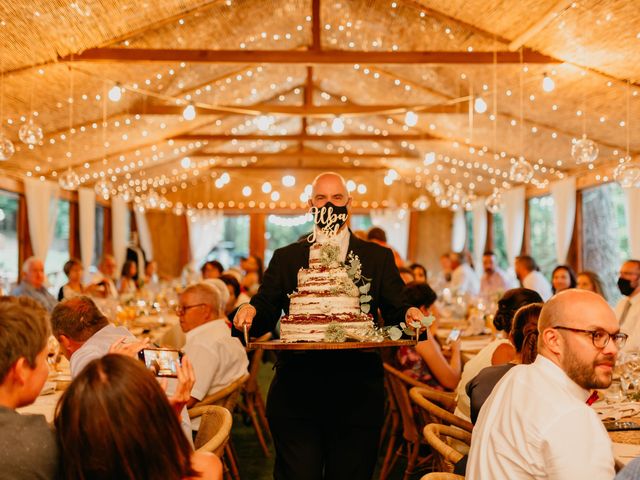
{"x":330,"y":218}
{"x":625,"y":287}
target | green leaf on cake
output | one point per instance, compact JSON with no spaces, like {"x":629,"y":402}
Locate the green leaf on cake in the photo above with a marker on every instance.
{"x":365,"y":307}
{"x":364,"y":289}
{"x":365,"y":298}
{"x":394,"y":333}
{"x":427,"y":321}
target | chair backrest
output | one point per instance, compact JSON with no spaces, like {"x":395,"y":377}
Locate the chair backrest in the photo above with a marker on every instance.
{"x":425,"y":399}
{"x":401,"y":401}
{"x":227,"y":397}
{"x":215,"y":428}
{"x":441,"y":476}
{"x":445,"y":399}
{"x":434,"y":433}
{"x":254,"y":365}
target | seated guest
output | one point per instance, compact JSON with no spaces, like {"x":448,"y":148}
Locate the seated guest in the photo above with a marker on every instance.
{"x":151,"y":273}
{"x":493,"y":281}
{"x":426,"y":362}
{"x":254,"y":269}
{"x":631,"y":471}
{"x":218,"y":358}
{"x":236,"y":296}
{"x":378,"y":235}
{"x":562,"y":277}
{"x":211,"y":269}
{"x":500,"y":350}
{"x":537,"y":422}
{"x":588,"y":280}
{"x":419,"y":272}
{"x":463,"y":277}
{"x":628,"y":307}
{"x":406,"y":274}
{"x":524,"y":337}
{"x":103,"y":281}
{"x":84,"y":333}
{"x":114,"y":421}
{"x":27,"y":444}
{"x":32,"y":284}
{"x":530,"y":277}
{"x":128,"y":278}
{"x":73,"y":270}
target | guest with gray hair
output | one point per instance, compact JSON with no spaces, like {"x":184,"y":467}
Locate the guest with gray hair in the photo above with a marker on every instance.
{"x":32,"y":284}
{"x":218,"y":358}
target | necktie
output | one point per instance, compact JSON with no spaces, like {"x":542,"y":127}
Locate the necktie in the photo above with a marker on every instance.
{"x":625,"y":311}
{"x":592,"y":398}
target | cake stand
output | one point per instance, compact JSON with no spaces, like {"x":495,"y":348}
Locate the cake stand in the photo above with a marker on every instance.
{"x":348,"y":345}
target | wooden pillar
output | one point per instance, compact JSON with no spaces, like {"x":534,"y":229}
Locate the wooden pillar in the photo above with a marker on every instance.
{"x":257,"y":230}
{"x":107,"y":233}
{"x":25,"y":250}
{"x":526,"y":241}
{"x":74,"y":230}
{"x":489,"y":241}
{"x":575,"y":255}
{"x":412,"y":247}
{"x":133,"y":224}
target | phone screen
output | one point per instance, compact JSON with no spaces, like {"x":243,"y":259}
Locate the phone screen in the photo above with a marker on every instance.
{"x":453,"y":335}
{"x":162,"y":362}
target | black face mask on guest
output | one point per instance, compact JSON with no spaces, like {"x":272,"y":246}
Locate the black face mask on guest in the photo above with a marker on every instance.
{"x":624,"y":285}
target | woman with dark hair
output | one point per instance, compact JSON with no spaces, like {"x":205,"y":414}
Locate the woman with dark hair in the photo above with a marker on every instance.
{"x":211,"y":269}
{"x":73,"y":270}
{"x":254,"y":269}
{"x":127,"y":278}
{"x":562,"y":278}
{"x":588,"y":280}
{"x":524,"y":337}
{"x":419,"y":272}
{"x":425,"y":362}
{"x":499,"y":351}
{"x":114,"y":421}
{"x":236,"y":296}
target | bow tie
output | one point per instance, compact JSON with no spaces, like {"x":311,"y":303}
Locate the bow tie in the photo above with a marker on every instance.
{"x":592,"y":398}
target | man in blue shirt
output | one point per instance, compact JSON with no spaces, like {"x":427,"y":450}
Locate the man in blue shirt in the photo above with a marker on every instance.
{"x":32,"y":284}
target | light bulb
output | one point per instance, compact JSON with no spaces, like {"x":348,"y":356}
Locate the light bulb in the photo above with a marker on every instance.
{"x":115,"y":93}
{"x":7,"y":148}
{"x":185,"y":162}
{"x":362,"y":189}
{"x":263,"y":122}
{"x":246,"y":191}
{"x":189,"y":113}
{"x":429,"y":159}
{"x":479,"y":105}
{"x":410,"y":119}
{"x":351,"y":185}
{"x":275,"y":196}
{"x":548,"y":84}
{"x":266,"y":187}
{"x":337,"y":126}
{"x":288,"y":180}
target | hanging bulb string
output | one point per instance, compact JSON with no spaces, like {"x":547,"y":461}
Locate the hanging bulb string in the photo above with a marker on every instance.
{"x":627,"y":119}
{"x":495,"y":97}
{"x":521,"y":104}
{"x":70,"y":112}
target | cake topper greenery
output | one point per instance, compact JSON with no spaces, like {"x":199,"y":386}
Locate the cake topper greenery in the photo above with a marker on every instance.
{"x":336,"y":332}
{"x":354,"y":270}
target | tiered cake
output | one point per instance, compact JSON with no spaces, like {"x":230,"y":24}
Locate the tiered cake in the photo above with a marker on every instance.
{"x":325,"y":294}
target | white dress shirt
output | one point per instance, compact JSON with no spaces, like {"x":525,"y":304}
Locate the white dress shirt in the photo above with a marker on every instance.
{"x":97,"y":346}
{"x":465,"y":280}
{"x":631,"y":324}
{"x":537,"y":282}
{"x":536,"y":424}
{"x":495,"y":283}
{"x":218,"y":359}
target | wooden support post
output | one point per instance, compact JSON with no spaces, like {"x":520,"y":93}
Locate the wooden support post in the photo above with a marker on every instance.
{"x":490,"y":241}
{"x":107,"y":233}
{"x":575,"y":255}
{"x":526,"y":241}
{"x":257,"y":229}
{"x":74,"y":230}
{"x":414,"y":234}
{"x":25,"y":250}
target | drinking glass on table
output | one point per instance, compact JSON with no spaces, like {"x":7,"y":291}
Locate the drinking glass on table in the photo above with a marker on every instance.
{"x":629,"y":372}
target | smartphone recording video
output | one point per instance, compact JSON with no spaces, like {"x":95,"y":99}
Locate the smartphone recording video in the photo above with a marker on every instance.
{"x":453,"y":336}
{"x":162,"y":362}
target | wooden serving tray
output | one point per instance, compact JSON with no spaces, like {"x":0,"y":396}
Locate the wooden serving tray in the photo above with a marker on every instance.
{"x":349,"y":345}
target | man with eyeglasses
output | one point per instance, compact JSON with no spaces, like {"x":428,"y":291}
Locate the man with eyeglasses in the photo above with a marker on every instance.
{"x":537,"y":422}
{"x":628,"y":308}
{"x":218,"y":358}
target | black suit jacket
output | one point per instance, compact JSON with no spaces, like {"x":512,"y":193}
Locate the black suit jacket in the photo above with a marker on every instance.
{"x":342,"y":386}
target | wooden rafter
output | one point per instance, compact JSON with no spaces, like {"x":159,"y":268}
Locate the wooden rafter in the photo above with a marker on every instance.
{"x":554,"y":12}
{"x":306,"y":57}
{"x":305,"y":137}
{"x":305,"y":154}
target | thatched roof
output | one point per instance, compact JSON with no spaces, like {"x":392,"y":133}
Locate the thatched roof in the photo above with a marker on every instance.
{"x":590,"y":45}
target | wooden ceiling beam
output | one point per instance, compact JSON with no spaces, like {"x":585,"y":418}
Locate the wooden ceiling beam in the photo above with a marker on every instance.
{"x":305,"y":154}
{"x":306,"y":57}
{"x":304,"y":137}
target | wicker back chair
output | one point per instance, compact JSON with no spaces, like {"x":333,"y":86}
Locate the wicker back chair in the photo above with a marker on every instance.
{"x":215,"y":428}
{"x":447,"y":455}
{"x":430,"y":402}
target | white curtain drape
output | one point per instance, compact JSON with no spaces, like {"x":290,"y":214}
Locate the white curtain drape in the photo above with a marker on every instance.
{"x":632,"y":204}
{"x":458,"y":231}
{"x":395,"y":223}
{"x":42,"y":211}
{"x":87,"y":214}
{"x":144,"y":234}
{"x":513,"y":221}
{"x":119,"y":230}
{"x":564,"y":215}
{"x":479,"y":232}
{"x":206,"y":229}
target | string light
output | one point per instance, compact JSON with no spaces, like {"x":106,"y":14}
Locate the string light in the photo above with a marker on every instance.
{"x":115,"y":93}
{"x":548,"y":85}
{"x":337,"y":126}
{"x":189,"y":113}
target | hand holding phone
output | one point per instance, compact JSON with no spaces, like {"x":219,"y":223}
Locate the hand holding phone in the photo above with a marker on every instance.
{"x":162,"y":362}
{"x":453,"y":336}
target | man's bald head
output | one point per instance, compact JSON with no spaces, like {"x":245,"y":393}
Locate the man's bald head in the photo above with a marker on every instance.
{"x":329,"y":187}
{"x":572,"y":308}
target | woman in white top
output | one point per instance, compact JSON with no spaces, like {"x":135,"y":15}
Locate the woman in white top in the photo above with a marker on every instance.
{"x":500,"y":350}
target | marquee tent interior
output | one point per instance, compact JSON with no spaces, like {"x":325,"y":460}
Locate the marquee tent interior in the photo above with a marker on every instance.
{"x":442,"y":115}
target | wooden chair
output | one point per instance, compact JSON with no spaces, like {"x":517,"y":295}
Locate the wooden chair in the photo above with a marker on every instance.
{"x":441,"y":476}
{"x":252,"y":403}
{"x":215,"y":428}
{"x":447,"y":455}
{"x":431,"y":401}
{"x":446,"y":399}
{"x":408,"y":436}
{"x":227,"y":398}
